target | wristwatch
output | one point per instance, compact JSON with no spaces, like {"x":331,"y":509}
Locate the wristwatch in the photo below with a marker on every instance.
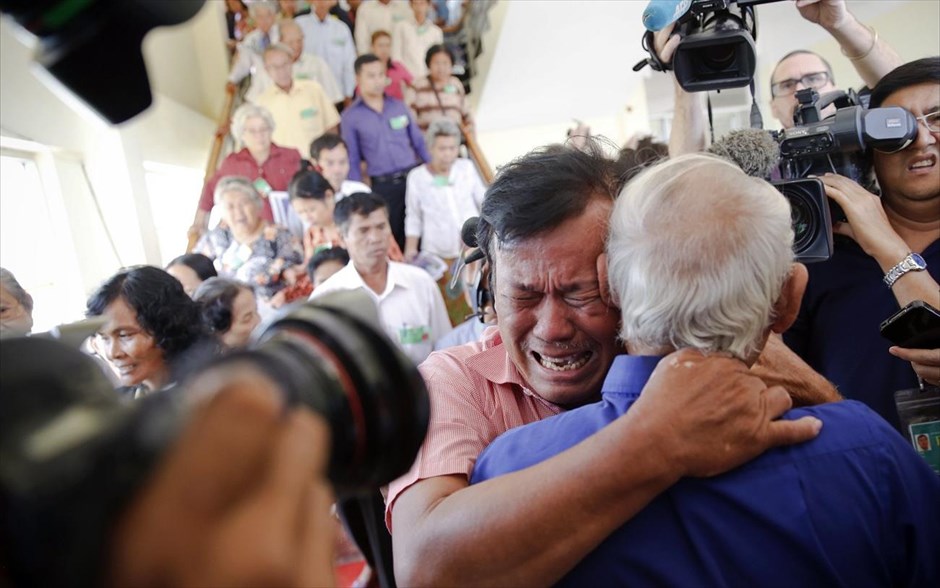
{"x":912,"y":263}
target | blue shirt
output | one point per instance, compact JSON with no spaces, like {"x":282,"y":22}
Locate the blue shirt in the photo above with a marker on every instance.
{"x":331,"y":41}
{"x":388,"y":141}
{"x":837,"y":333}
{"x":854,"y":507}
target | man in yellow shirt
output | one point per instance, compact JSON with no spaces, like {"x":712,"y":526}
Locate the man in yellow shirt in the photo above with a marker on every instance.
{"x":301,"y":109}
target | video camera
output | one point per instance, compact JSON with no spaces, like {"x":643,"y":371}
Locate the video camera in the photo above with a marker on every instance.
{"x":73,"y":454}
{"x":838,"y":144}
{"x":717,"y":48}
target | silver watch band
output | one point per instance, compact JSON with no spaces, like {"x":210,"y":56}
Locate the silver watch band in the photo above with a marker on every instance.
{"x":912,"y":262}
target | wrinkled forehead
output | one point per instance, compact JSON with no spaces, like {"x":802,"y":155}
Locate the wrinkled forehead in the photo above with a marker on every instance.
{"x":796,"y":66}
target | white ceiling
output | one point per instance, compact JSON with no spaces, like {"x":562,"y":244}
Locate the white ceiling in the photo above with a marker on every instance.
{"x":560,"y":59}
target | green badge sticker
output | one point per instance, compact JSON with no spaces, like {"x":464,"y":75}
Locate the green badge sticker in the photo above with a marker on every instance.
{"x":308,"y":112}
{"x":398,"y":122}
{"x":441,"y":181}
{"x":339,"y":41}
{"x":450,"y":89}
{"x":301,"y":76}
{"x":926,"y":439}
{"x":413,"y":335}
{"x":262,"y":186}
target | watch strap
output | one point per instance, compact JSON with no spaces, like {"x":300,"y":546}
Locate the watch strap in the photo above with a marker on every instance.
{"x":911,"y":263}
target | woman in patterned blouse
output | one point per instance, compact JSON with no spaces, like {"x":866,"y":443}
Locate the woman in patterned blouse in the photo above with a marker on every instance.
{"x":245,"y":246}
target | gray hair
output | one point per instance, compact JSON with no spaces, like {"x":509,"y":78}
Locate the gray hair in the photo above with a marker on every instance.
{"x":9,"y":283}
{"x":280,"y":47}
{"x":246,"y":111}
{"x":237,"y":184}
{"x":697,"y":255}
{"x":257,"y":5}
{"x":442,"y":127}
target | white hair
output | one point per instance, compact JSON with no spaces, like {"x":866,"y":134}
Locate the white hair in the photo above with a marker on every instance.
{"x":697,"y":255}
{"x":257,"y":5}
{"x":442,"y":127}
{"x":246,"y":111}
{"x":237,"y":184}
{"x":9,"y":283}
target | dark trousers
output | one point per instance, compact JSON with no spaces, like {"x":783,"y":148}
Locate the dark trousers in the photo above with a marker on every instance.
{"x":392,"y":189}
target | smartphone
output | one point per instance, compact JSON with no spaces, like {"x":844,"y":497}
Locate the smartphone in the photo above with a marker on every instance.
{"x":916,"y":326}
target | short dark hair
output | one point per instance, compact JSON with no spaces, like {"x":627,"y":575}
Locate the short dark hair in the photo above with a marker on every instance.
{"x":632,"y":160}
{"x":215,"y":298}
{"x":326,"y":141}
{"x":542,"y":189}
{"x":361,"y":203}
{"x":832,"y":78}
{"x":323,"y":256}
{"x":163,"y":308}
{"x":309,"y":185}
{"x":197,"y":262}
{"x":365,"y":60}
{"x":439,"y":48}
{"x":379,"y":34}
{"x":910,"y":74}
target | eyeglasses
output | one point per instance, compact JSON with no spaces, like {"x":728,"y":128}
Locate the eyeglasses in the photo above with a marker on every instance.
{"x":788,"y":87}
{"x":931,"y":120}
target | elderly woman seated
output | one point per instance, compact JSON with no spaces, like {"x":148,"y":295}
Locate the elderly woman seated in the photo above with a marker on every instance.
{"x":246,"y":247}
{"x":149,"y":325}
{"x":229,"y":310}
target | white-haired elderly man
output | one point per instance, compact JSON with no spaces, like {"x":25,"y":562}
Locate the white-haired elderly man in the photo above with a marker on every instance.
{"x":699,"y":256}
{"x":249,"y":53}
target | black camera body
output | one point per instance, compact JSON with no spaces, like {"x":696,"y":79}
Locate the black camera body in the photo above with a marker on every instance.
{"x":717,"y":48}
{"x":73,"y":453}
{"x":838,"y":144}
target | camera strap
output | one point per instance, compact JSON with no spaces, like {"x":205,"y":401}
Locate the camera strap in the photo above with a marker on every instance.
{"x":757,"y":121}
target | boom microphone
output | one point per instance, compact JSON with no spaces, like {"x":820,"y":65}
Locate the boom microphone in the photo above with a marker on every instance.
{"x":661,"y":13}
{"x":753,"y":150}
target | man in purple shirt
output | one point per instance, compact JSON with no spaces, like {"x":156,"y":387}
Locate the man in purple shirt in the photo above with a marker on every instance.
{"x":380,"y":131}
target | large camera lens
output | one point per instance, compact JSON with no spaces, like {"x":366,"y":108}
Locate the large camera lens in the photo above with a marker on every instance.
{"x":72,"y":454}
{"x":328,"y":357}
{"x":804,"y":219}
{"x":809,"y":215}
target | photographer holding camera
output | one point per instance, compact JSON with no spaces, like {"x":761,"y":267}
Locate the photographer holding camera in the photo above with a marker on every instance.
{"x":886,"y":255}
{"x":871,"y":57}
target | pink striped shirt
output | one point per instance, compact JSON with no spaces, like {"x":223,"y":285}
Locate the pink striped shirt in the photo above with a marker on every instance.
{"x":476,"y":394}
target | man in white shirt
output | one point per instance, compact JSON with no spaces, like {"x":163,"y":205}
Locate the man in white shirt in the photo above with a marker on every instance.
{"x":378,"y":15}
{"x":412,"y":38}
{"x":410,"y":305}
{"x":329,"y":39}
{"x":441,"y":195}
{"x":248,"y":57}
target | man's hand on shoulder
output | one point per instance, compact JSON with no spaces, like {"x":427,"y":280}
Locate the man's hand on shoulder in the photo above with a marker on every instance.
{"x":710,"y":414}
